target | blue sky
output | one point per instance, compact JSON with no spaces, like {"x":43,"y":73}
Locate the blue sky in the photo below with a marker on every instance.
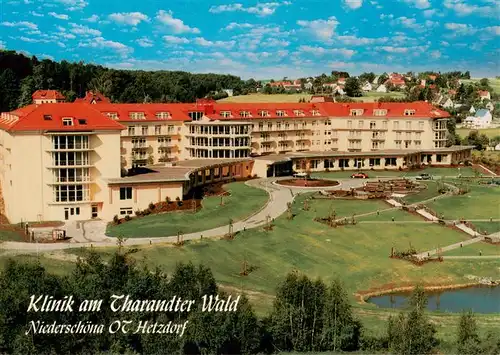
{"x":271,"y":38}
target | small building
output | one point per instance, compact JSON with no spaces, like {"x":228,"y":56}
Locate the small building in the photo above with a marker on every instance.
{"x":229,"y":92}
{"x":93,"y":97}
{"x":490,"y":106}
{"x":47,"y":97}
{"x":367,"y":87}
{"x":472,"y":110}
{"x":382,"y":88}
{"x":482,"y":119}
{"x":483,"y":94}
{"x":375,"y":81}
{"x":308,"y":85}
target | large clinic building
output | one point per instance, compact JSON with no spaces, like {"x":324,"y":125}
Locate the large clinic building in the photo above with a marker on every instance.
{"x":69,"y":161}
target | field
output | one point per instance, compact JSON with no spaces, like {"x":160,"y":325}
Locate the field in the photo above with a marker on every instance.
{"x":242,"y":202}
{"x":494,"y":83}
{"x":490,"y":132}
{"x":367,"y":97}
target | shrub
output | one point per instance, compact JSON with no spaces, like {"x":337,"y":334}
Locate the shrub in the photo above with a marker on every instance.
{"x":128,"y":218}
{"x":116,"y":219}
{"x":146,"y":212}
{"x":151,"y":206}
{"x":179,"y":202}
{"x":168,"y":199}
{"x":327,"y":170}
{"x":138,"y":213}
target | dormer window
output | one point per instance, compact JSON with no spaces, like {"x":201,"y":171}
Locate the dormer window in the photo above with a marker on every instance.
{"x":298,"y":112}
{"x":264,"y":113}
{"x":112,"y":115}
{"x":245,"y":114}
{"x":409,"y":112}
{"x":356,"y":112}
{"x":137,"y":115}
{"x":67,"y":121}
{"x":379,"y":112}
{"x":225,"y":114}
{"x":82,"y":121}
{"x":280,"y":113}
{"x":162,"y":115}
{"x":47,"y":117}
{"x":315,"y":113}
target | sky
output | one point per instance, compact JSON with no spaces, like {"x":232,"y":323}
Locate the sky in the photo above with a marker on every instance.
{"x":261,"y":40}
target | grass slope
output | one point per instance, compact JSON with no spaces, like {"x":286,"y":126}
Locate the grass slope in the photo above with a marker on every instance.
{"x":489,"y":132}
{"x":243,"y":202}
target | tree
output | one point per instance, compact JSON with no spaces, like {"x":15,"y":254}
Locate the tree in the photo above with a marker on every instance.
{"x":468,"y":342}
{"x":480,"y":141}
{"x":26,"y":92}
{"x":369,"y":77}
{"x":382,"y":78}
{"x":412,"y":333}
{"x":452,"y":137}
{"x":352,"y":87}
{"x":9,"y":90}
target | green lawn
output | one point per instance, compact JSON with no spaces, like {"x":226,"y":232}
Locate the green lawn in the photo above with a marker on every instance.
{"x":399,"y":217}
{"x":490,"y":132}
{"x":243,"y":202}
{"x":488,"y":227}
{"x":494,"y":83}
{"x":465,"y":171}
{"x":266,"y":98}
{"x":474,"y":249}
{"x":430,"y":191}
{"x":480,"y":203}
{"x":52,"y":266}
{"x":10,"y":235}
{"x":373,"y":96}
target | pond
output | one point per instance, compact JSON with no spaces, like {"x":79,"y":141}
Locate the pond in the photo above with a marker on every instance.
{"x":478,"y":299}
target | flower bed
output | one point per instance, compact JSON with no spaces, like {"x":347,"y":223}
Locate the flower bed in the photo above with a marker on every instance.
{"x":307,"y":182}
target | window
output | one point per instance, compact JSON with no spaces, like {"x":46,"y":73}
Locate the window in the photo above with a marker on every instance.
{"x":360,"y":124}
{"x":162,"y":115}
{"x":67,"y":121}
{"x":356,"y":112}
{"x":409,"y":112}
{"x":384,"y":124}
{"x":329,"y":163}
{"x":82,"y":121}
{"x":245,"y":114}
{"x":398,"y":135}
{"x":390,"y":161}
{"x":398,"y":144}
{"x":264,"y":113}
{"x":421,"y":125}
{"x":225,"y":114}
{"x":379,"y":112}
{"x":418,"y":135}
{"x":131,"y":130}
{"x":278,"y":125}
{"x":280,"y":113}
{"x":375,"y":145}
{"x":328,"y":123}
{"x":374,"y":161}
{"x":195,"y":116}
{"x":126,"y":211}
{"x":112,"y":115}
{"x":315,"y":113}
{"x":298,"y":112}
{"x":418,"y":144}
{"x":349,"y":124}
{"x":137,"y":115}
{"x":408,"y":124}
{"x":47,"y":117}
{"x":125,"y":193}
{"x":373,"y":125}
{"x":407,"y":144}
{"x":158,"y":130}
{"x":144,"y":130}
{"x":396,"y":124}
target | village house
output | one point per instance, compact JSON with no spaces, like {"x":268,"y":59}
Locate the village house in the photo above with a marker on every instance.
{"x":482,"y":119}
{"x":367,"y":87}
{"x":484,"y":94}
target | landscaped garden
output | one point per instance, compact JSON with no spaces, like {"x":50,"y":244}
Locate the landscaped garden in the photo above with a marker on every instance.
{"x":241,"y":202}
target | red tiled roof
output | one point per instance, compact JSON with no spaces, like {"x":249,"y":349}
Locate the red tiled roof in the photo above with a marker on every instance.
{"x":94,"y":97}
{"x":47,"y":94}
{"x":36,"y":118}
{"x":394,"y":109}
{"x":483,"y":93}
{"x":178,"y":112}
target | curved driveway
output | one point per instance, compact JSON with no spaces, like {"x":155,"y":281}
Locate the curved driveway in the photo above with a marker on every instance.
{"x":279,"y":197}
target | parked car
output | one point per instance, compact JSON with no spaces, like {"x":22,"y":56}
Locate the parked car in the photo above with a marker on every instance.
{"x":359,"y":176}
{"x":424,"y":176}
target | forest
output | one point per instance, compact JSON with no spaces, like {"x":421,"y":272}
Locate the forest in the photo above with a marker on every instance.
{"x":307,"y":315}
{"x":20,"y":76}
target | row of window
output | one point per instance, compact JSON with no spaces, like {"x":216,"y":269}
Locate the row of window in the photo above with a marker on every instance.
{"x":70,"y":142}
{"x":144,"y":130}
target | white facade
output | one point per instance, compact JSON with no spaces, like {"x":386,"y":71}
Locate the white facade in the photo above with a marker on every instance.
{"x":382,"y":88}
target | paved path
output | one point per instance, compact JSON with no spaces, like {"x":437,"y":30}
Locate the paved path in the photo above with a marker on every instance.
{"x":449,"y":247}
{"x":279,"y":197}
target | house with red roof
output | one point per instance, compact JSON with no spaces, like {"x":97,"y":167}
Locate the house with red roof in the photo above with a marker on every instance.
{"x":93,"y":97}
{"x":484,"y":94}
{"x":47,"y":96}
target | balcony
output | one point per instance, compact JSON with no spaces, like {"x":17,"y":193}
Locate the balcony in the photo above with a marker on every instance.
{"x":139,"y":146}
{"x":72,"y":180}
{"x":70,"y":163}
{"x":70,"y":148}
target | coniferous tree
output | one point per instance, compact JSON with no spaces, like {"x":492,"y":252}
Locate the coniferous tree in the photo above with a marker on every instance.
{"x":468,"y":342}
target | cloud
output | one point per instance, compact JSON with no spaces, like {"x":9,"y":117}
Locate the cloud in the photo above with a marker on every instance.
{"x":321,"y":29}
{"x":419,"y":4}
{"x":359,"y":41}
{"x":144,"y":42}
{"x":93,"y":18}
{"x":261,"y":9}
{"x":411,"y":23}
{"x":416,"y":50}
{"x":235,"y":25}
{"x":429,"y":13}
{"x":494,"y":30}
{"x":461,"y":29}
{"x":320,"y":51}
{"x":74,"y":5}
{"x":444,"y":44}
{"x":461,"y":8}
{"x":2,"y":45}
{"x":175,"y":40}
{"x":33,"y":40}
{"x":384,"y":16}
{"x":128,"y":18}
{"x":84,"y":30}
{"x":101,"y":43}
{"x":24,"y":24}
{"x":222,"y":44}
{"x":353,"y":4}
{"x":59,"y":16}
{"x":341,"y":65}
{"x":176,"y":25}
{"x":275,"y":42}
{"x":36,"y":14}
{"x":46,"y":56}
{"x":435,"y":54}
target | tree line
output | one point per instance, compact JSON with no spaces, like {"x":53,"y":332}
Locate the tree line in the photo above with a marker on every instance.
{"x":20,"y":76}
{"x":307,"y":315}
